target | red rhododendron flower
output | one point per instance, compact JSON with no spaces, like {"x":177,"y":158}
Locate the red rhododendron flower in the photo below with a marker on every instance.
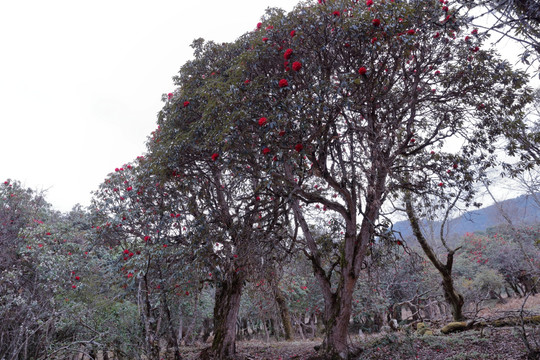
{"x":441,"y":184}
{"x":146,"y":238}
{"x":376,"y":22}
{"x":74,"y":286}
{"x":369,"y":3}
{"x":265,"y":39}
{"x":298,"y":147}
{"x":129,"y":188}
{"x":336,"y":13}
{"x":287,"y":54}
{"x":186,"y":103}
{"x":293,"y":33}
{"x":475,"y":49}
{"x":296,"y":66}
{"x":269,"y":27}
{"x":169,"y":96}
{"x":263,"y":121}
{"x":282,"y":132}
{"x":48,"y":233}
{"x":126,"y":251}
{"x":283,"y":83}
{"x":259,"y":25}
{"x":215,"y":156}
{"x":265,"y":150}
{"x":474,"y":32}
{"x":247,"y":81}
{"x":411,"y":32}
{"x":374,"y":40}
{"x":445,"y":8}
{"x":257,"y":199}
{"x":77,"y":278}
{"x":362,"y":71}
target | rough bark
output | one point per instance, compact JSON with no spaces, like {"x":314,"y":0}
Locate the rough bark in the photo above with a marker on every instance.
{"x":225,"y":314}
{"x":283,"y":312}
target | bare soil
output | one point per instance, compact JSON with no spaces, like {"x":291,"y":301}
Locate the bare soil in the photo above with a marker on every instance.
{"x":494,"y":343}
{"x":504,"y":343}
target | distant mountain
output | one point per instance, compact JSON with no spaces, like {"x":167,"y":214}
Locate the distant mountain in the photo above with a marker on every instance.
{"x":521,"y":210}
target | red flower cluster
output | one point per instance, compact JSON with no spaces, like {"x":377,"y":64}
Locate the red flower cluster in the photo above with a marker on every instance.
{"x":376,"y":22}
{"x":215,"y":156}
{"x":146,"y":238}
{"x":369,"y":3}
{"x":259,"y":25}
{"x":263,"y":121}
{"x":169,"y":96}
{"x":265,"y":39}
{"x":296,"y":66}
{"x":186,"y":103}
{"x":336,"y":13}
{"x":474,"y":32}
{"x":265,"y":151}
{"x":374,"y":40}
{"x":411,"y":32}
{"x":362,"y":71}
{"x":298,"y":147}
{"x":288,"y":54}
{"x":283,"y":83}
{"x":293,"y":33}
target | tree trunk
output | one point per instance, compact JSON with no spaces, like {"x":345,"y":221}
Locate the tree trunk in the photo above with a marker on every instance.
{"x":283,"y":312}
{"x":172,"y":333}
{"x":225,"y":315}
{"x":452,"y":296}
{"x":336,"y":321}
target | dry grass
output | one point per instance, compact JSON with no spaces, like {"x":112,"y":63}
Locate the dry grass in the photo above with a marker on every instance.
{"x":512,"y":305}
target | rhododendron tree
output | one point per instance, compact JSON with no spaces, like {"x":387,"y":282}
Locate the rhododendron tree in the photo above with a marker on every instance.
{"x":231,"y":211}
{"x":356,"y":127}
{"x":351,"y":131}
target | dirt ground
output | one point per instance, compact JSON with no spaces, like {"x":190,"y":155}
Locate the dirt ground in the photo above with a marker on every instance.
{"x":494,"y":343}
{"x":504,"y":343}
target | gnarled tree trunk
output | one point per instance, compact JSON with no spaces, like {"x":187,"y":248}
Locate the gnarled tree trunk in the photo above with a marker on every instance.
{"x":226,"y":308}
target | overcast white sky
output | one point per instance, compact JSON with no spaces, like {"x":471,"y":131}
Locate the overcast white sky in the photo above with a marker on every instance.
{"x":81,"y":81}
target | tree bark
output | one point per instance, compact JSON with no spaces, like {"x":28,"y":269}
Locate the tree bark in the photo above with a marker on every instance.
{"x":336,"y":320}
{"x":225,"y":314}
{"x":283,"y":312}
